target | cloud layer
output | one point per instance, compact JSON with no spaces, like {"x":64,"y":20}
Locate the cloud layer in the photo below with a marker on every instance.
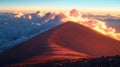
{"x":92,"y":23}
{"x":18,"y":27}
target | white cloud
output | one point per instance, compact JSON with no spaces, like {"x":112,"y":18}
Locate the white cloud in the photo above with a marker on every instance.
{"x":18,"y":27}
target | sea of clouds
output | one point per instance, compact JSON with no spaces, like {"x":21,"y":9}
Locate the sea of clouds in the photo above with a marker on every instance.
{"x":18,"y":27}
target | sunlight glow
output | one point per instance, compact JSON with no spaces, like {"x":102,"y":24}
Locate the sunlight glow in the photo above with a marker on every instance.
{"x":94,"y":24}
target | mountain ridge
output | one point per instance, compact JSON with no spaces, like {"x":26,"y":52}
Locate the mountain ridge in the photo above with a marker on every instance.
{"x":68,"y":40}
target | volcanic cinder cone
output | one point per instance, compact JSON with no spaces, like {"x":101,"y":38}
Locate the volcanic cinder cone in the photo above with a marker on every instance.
{"x":68,"y":40}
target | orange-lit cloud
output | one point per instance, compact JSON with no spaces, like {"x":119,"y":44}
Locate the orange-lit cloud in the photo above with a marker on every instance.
{"x":94,"y":24}
{"x":75,"y":16}
{"x":29,"y":17}
{"x":18,"y":14}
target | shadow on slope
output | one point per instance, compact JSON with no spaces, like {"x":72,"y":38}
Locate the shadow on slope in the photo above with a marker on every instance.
{"x":68,"y":35}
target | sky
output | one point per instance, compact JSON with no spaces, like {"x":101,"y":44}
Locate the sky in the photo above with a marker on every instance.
{"x":9,"y":5}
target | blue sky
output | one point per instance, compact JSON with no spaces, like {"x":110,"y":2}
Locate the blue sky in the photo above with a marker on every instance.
{"x":59,"y":4}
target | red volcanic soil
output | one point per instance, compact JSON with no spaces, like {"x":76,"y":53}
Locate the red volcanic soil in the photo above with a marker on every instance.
{"x":69,"y":40}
